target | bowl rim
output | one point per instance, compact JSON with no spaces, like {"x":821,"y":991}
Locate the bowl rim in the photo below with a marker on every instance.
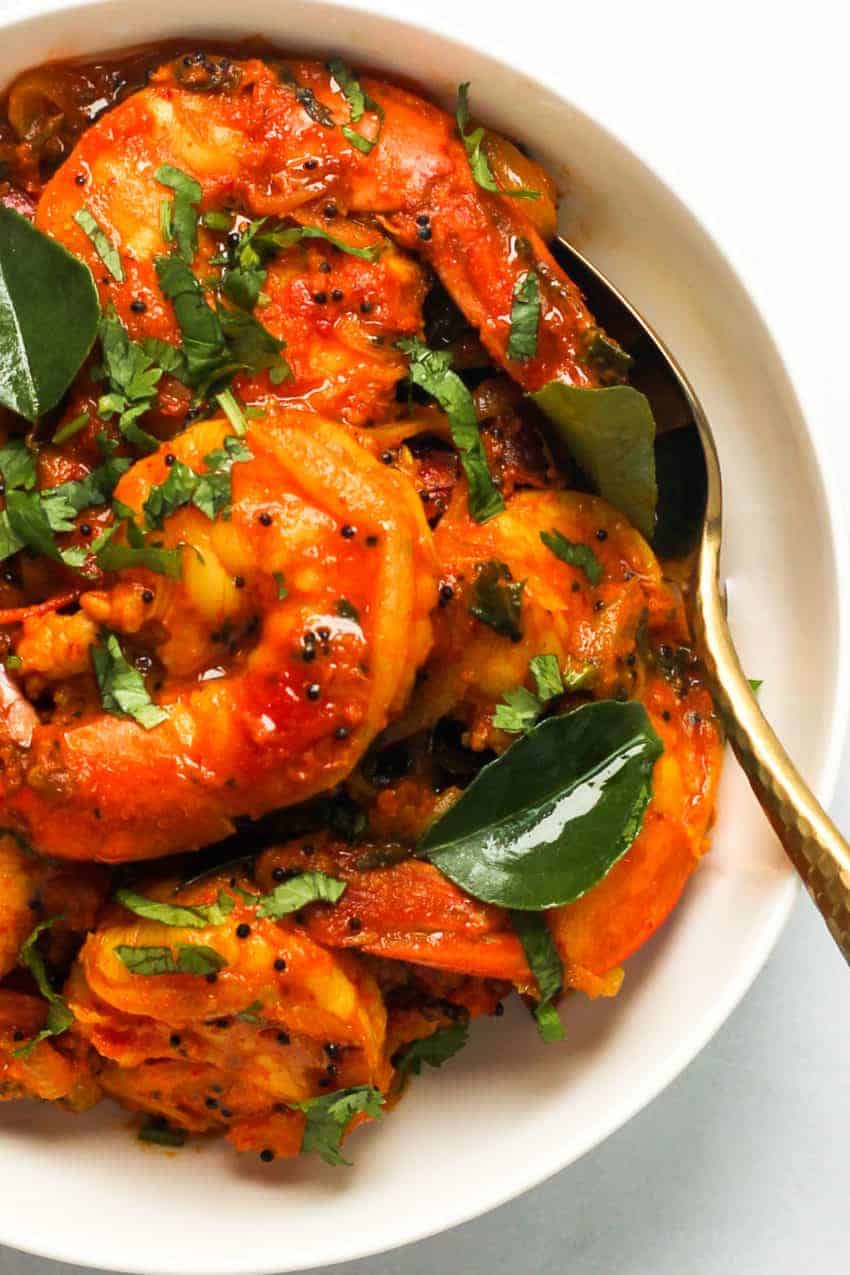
{"x":824,"y":782}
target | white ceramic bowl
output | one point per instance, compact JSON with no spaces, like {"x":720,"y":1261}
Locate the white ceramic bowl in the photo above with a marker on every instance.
{"x":509,"y":1111}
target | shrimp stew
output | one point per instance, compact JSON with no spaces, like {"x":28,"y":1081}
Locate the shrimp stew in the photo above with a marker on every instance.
{"x":342,"y":693}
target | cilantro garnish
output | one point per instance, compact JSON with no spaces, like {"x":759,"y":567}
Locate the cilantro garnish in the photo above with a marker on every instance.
{"x":161,"y":1134}
{"x":497,"y":599}
{"x":329,"y":1116}
{"x":191,"y":918}
{"x":216,"y":343}
{"x":431,"y":370}
{"x":521,"y":707}
{"x":59,"y":1016}
{"x":574,"y":553}
{"x":290,"y":896}
{"x":191,"y":958}
{"x":122,"y":689}
{"x":478,"y":161}
{"x":103,"y":245}
{"x":211,"y":492}
{"x":546,"y":966}
{"x":359,"y":102}
{"x":31,"y":518}
{"x":179,"y":219}
{"x":525,"y":318}
{"x":433,"y":1050}
{"x":245,"y":261}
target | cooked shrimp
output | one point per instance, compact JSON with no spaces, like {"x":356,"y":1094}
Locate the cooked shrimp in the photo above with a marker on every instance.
{"x":47,"y":1071}
{"x":268,"y":139}
{"x":292,"y":636}
{"x":227,"y":1053}
{"x":33,"y":890}
{"x":592,"y":629}
{"x":411,"y":912}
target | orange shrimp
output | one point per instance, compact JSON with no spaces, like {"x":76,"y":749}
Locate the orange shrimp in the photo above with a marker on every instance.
{"x":269,"y":140}
{"x":591,"y":628}
{"x":228,"y":1053}
{"x":411,"y":912}
{"x":292,"y":636}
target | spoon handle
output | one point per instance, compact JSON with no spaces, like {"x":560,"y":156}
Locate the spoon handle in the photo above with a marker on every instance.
{"x":811,"y":840}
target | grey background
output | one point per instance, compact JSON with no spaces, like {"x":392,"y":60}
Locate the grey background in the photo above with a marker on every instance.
{"x":742,"y":1164}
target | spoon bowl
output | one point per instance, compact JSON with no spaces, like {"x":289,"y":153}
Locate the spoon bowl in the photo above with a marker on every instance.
{"x":690,"y":521}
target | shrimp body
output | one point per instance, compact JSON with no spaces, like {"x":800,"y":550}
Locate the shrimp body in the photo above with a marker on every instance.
{"x":592,"y":628}
{"x":411,"y":912}
{"x":270,"y":141}
{"x":233,"y":1053}
{"x":290,"y":639}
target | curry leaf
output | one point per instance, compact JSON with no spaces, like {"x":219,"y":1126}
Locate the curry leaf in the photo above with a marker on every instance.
{"x":431,"y":370}
{"x":48,"y":317}
{"x":610,"y":433}
{"x":542,"y":824}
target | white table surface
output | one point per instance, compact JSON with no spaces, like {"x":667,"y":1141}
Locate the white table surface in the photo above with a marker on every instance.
{"x":741,"y":1165}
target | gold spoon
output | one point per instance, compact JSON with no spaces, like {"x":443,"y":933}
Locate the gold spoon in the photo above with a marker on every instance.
{"x":810,"y":838}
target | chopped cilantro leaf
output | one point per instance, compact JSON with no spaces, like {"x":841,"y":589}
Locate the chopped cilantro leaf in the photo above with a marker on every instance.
{"x":191,"y":918}
{"x":574,"y":553}
{"x":122,"y":689}
{"x":547,"y":676}
{"x":545,"y":964}
{"x":518,"y":712}
{"x":431,"y":370}
{"x":17,"y":465}
{"x":103,"y":245}
{"x":280,"y":585}
{"x":525,"y":318}
{"x":497,"y":599}
{"x":211,"y":492}
{"x":191,"y":958}
{"x":181,"y":222}
{"x":478,"y":161}
{"x":163,"y":1135}
{"x":290,"y":896}
{"x":434,"y":1050}
{"x":329,"y":1116}
{"x":359,"y":102}
{"x":59,"y":1016}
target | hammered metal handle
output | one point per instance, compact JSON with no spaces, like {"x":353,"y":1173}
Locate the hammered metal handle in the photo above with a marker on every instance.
{"x":811,"y":840}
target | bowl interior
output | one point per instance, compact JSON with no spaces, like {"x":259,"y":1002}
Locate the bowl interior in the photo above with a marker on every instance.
{"x":508,"y":1111}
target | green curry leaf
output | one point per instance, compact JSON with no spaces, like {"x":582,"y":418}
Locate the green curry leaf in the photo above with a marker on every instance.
{"x":48,"y":317}
{"x":610,"y":434}
{"x":542,"y":824}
